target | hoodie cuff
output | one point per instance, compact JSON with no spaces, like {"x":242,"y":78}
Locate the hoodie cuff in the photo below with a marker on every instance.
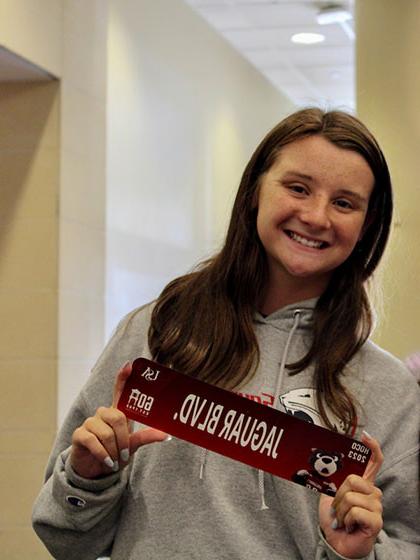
{"x":332,"y":554}
{"x":90,"y":485}
{"x":83,"y":503}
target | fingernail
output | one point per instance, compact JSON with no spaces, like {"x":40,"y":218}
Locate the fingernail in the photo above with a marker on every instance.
{"x":334,"y":524}
{"x":366,"y":434}
{"x":116,"y":466}
{"x":168,"y":438}
{"x":109,"y":462}
{"x":125,"y":365}
{"x":125,"y":455}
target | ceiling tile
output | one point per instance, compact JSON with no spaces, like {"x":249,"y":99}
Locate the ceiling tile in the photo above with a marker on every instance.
{"x":260,"y":30}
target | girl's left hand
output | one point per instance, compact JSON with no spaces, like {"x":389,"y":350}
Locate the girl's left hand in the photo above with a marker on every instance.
{"x":352,"y":519}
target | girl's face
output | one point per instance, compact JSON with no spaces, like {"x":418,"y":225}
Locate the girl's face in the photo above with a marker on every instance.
{"x":312,"y":206}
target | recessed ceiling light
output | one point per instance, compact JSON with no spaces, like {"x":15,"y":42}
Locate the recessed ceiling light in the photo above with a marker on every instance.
{"x":307,"y":38}
{"x":333,"y":14}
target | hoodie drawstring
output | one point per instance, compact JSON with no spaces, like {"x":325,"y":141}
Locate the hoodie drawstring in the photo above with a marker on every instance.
{"x":261,"y":482}
{"x":280,"y":377}
{"x":296,"y":316}
{"x":203,"y":460}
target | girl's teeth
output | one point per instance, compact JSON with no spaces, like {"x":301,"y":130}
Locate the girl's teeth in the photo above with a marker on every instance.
{"x":306,"y":242}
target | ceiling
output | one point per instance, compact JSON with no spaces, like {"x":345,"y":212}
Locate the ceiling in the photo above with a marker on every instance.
{"x":321,"y":74}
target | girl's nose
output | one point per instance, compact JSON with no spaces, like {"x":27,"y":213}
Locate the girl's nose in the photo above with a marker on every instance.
{"x":316,"y":214}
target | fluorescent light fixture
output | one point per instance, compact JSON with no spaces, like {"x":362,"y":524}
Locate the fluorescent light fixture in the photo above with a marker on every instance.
{"x":307,"y":38}
{"x":333,"y":14}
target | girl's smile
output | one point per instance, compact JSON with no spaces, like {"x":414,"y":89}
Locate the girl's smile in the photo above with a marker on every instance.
{"x":307,"y":242}
{"x":312,"y":206}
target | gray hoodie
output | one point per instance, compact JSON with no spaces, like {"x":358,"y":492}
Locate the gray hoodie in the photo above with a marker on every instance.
{"x":176,"y":501}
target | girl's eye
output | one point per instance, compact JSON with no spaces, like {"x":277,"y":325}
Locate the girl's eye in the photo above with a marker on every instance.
{"x":298,"y":189}
{"x":344,"y":204}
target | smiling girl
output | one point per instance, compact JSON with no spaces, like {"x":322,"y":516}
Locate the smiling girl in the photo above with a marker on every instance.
{"x":281,"y":311}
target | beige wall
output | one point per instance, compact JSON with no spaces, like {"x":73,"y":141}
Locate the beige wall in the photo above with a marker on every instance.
{"x":67,"y":38}
{"x":29,"y":155}
{"x":82,"y":195}
{"x":388,"y":92}
{"x":52,"y":239}
{"x":184,"y":113}
{"x":33,"y":30}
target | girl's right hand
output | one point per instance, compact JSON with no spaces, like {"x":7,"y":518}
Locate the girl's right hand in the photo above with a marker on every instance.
{"x":104,"y":443}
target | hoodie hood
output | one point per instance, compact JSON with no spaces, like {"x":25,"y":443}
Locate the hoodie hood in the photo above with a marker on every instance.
{"x":283,"y":318}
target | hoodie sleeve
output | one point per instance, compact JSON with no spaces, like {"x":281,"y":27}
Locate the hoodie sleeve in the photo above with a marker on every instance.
{"x":400,"y":537}
{"x":76,"y":518}
{"x":392,"y":415}
{"x":326,"y":552}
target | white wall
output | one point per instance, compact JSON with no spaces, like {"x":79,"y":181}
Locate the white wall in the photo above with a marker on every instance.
{"x":185,"y":112}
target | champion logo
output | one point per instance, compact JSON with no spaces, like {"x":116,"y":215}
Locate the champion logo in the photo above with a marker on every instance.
{"x":76,"y":501}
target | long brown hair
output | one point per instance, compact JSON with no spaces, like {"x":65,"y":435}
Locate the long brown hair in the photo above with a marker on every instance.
{"x":202,"y":323}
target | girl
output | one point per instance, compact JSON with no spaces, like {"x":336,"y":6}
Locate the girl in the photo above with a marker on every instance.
{"x":282,"y":316}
